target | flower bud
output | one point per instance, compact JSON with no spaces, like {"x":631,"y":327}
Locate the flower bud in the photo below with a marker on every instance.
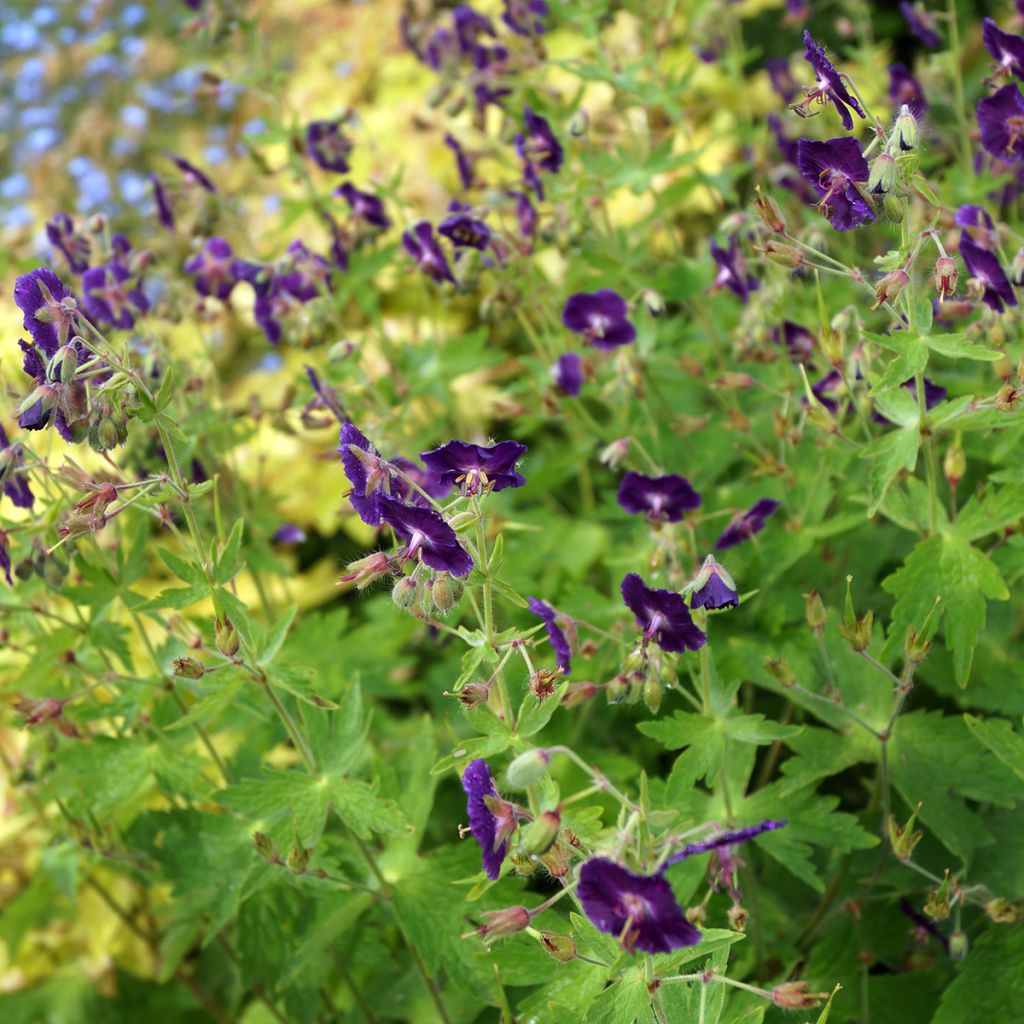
{"x":884,"y":176}
{"x":1008,"y":398}
{"x":265,"y":847}
{"x":527,"y":768}
{"x":954,"y":464}
{"x":653,"y":691}
{"x":472,"y":695}
{"x":441,"y":594}
{"x":579,"y":693}
{"x":226,"y":637}
{"x":779,"y":252}
{"x":61,"y":369}
{"x":556,"y":860}
{"x":769,"y":212}
{"x":617,"y":690}
{"x":1002,"y":911}
{"x":540,"y":835}
{"x":958,"y":945}
{"x":653,"y":302}
{"x":737,"y":916}
{"x":561,"y":947}
{"x":891,"y":287}
{"x":817,"y":616}
{"x":502,"y":922}
{"x":893,"y":207}
{"x":367,"y":570}
{"x":906,"y":135}
{"x":404,"y":592}
{"x":903,"y":838}
{"x":189,"y":668}
{"x":945,"y":276}
{"x":794,"y":995}
{"x":580,"y":124}
{"x":615,"y":454}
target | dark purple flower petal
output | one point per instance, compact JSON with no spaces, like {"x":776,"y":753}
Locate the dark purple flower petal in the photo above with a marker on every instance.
{"x":213,"y":269}
{"x":14,"y":483}
{"x":164,"y":211}
{"x":193,"y":174}
{"x":971,"y":216}
{"x":465,"y":231}
{"x":487,"y":829}
{"x":1001,"y":124}
{"x":834,"y":168}
{"x":661,"y":498}
{"x":525,"y":17}
{"x":662,"y":615}
{"x":744,"y":526}
{"x":423,"y":247}
{"x":732,"y":271}
{"x":304,"y":274}
{"x":559,"y":641}
{"x":328,"y":146}
{"x":73,"y":244}
{"x":426,"y":533}
{"x":739,"y":835}
{"x":568,"y":374}
{"x":289,"y":533}
{"x":713,"y":587}
{"x":110,"y":295}
{"x":475,"y":467}
{"x":367,"y":473}
{"x":601,"y":317}
{"x":538,"y":149}
{"x":526,"y":214}
{"x":799,"y":341}
{"x":50,"y":309}
{"x":470,"y":27}
{"x":1007,"y":50}
{"x":462,"y":160}
{"x":781,"y":77}
{"x":921,"y":24}
{"x":365,"y":206}
{"x":829,"y":84}
{"x":984,"y":267}
{"x":905,"y":90}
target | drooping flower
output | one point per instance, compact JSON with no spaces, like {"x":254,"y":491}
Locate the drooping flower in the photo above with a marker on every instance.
{"x":905,"y":89}
{"x":462,"y":161}
{"x":829,"y":85}
{"x":1007,"y":49}
{"x":826,"y":390}
{"x":475,"y":467}
{"x":51,"y":400}
{"x":73,"y":244}
{"x":442,"y":49}
{"x":739,"y":835}
{"x":304,"y":274}
{"x":213,"y":269}
{"x":193,"y":175}
{"x":423,"y":247}
{"x":525,"y":17}
{"x":5,"y":558}
{"x":465,"y":230}
{"x":662,"y":615}
{"x":538,"y":149}
{"x":640,"y":910}
{"x":559,"y":641}
{"x":365,"y":206}
{"x":50,"y":309}
{"x":110,"y":295}
{"x":328,"y":146}
{"x":470,"y":27}
{"x":745,"y":525}
{"x":491,"y":819}
{"x":732,"y":271}
{"x":601,"y":317}
{"x":984,"y":268}
{"x":426,"y":534}
{"x":799,"y":341}
{"x":660,"y":498}
{"x":13,"y":482}
{"x":971,"y":216}
{"x":713,"y":587}
{"x":834,"y":168}
{"x":367,"y":472}
{"x":1001,"y":124}
{"x":568,"y":374}
{"x":781,"y":77}
{"x":526,"y":214}
{"x":921,"y":24}
{"x":164,"y":210}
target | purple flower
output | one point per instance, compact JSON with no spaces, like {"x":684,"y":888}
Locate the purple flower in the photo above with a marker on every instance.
{"x":601,"y":317}
{"x":834,"y":168}
{"x":164,"y":211}
{"x":74,"y":245}
{"x":193,"y":175}
{"x":744,"y":526}
{"x":426,"y":534}
{"x":5,"y":558}
{"x":1001,"y":123}
{"x":213,"y":268}
{"x":568,"y":374}
{"x":799,"y":341}
{"x":423,"y":247}
{"x":526,"y":214}
{"x":662,"y":615}
{"x":50,"y":309}
{"x":829,"y":84}
{"x":465,"y":231}
{"x":732,"y":272}
{"x":111,"y":296}
{"x":905,"y":90}
{"x":538,"y":149}
{"x":739,"y":835}
{"x":365,"y":206}
{"x":970,"y":216}
{"x":462,"y":160}
{"x":271,"y":305}
{"x":826,"y":389}
{"x":559,"y":641}
{"x":14,"y":483}
{"x":305,"y":274}
{"x":640,"y":910}
{"x":984,"y":267}
{"x":441,"y":49}
{"x":921,"y":24}
{"x":491,"y":819}
{"x":525,"y":17}
{"x":470,"y":26}
{"x":660,"y":498}
{"x":1006,"y":49}
{"x":475,"y":467}
{"x":713,"y":587}
{"x":933,"y":393}
{"x":427,"y":482}
{"x":50,"y":401}
{"x":289,"y":533}
{"x":367,"y":472}
{"x":328,"y":146}
{"x":781,"y":78}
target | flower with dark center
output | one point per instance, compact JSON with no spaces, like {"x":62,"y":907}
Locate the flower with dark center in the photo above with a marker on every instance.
{"x":745,"y":525}
{"x":164,"y":211}
{"x":367,"y":472}
{"x":476,"y":468}
{"x":829,"y":85}
{"x":421,"y":244}
{"x":213,"y":269}
{"x":465,"y":231}
{"x":984,"y":268}
{"x":662,"y":615}
{"x":13,"y":482}
{"x":799,"y":341}
{"x":781,"y":78}
{"x":491,"y":819}
{"x":601,"y":317}
{"x":1007,"y":50}
{"x":426,"y":534}
{"x":193,"y":175}
{"x":568,"y":374}
{"x":559,"y":641}
{"x":905,"y":89}
{"x":525,"y":17}
{"x":639,"y":910}
{"x":713,"y":587}
{"x":110,"y":295}
{"x":328,"y":146}
{"x":304,"y":274}
{"x":660,"y":498}
{"x":834,"y":168}
{"x":1001,"y":124}
{"x":462,"y":161}
{"x":739,"y":835}
{"x":732,"y":271}
{"x":470,"y":27}
{"x":50,"y":310}
{"x":921,"y":24}
{"x":365,"y":207}
{"x":538,"y":149}
{"x":75,"y":246}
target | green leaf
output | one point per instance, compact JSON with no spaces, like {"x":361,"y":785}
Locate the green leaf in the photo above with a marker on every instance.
{"x":275,"y":635}
{"x":954,"y":346}
{"x":627,"y":1001}
{"x":224,"y":688}
{"x":910,"y":362}
{"x":228,"y":564}
{"x":535,"y":713}
{"x":990,"y":984}
{"x":757,"y":729}
{"x":892,"y":454}
{"x":998,"y":735}
{"x":991,"y":512}
{"x":359,"y":806}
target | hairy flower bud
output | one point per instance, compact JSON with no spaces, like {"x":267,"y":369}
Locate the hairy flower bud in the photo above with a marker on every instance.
{"x":779,"y":252}
{"x":618,"y":689}
{"x":945,"y":276}
{"x":891,"y":287}
{"x":906,"y":135}
{"x":404,"y":592}
{"x":615,"y":454}
{"x":893,"y":207}
{"x":541,"y":833}
{"x":653,"y":302}
{"x":737,"y":916}
{"x":61,"y":369}
{"x":903,"y":838}
{"x":769,"y":212}
{"x":189,"y":668}
{"x":501,"y":922}
{"x":817,"y":616}
{"x":442,"y":594}
{"x":958,"y":945}
{"x":795,"y":995}
{"x":884,"y":176}
{"x":561,"y":947}
{"x":227,"y":638}
{"x":365,"y":571}
{"x":527,"y":768}
{"x":653,"y":691}
{"x":954,"y":464}
{"x":579,"y":693}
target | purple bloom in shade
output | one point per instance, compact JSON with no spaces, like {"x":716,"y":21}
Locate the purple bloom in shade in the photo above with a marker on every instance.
{"x":781,"y":78}
{"x":971,"y":216}
{"x":365,"y":206}
{"x":739,"y":835}
{"x":305,"y":274}
{"x":799,"y":342}
{"x":905,"y":89}
{"x":75,"y":246}
{"x":289,"y":533}
{"x":744,"y":526}
{"x":660,"y":498}
{"x":640,"y":910}
{"x":601,"y":317}
{"x":465,"y":231}
{"x":213,"y":268}
{"x":328,"y":146}
{"x":525,"y":17}
{"x":568,"y":374}
{"x":732,"y":272}
{"x":526,"y":214}
{"x":662,"y":615}
{"x":1001,"y":123}
{"x":933,"y":393}
{"x":424,"y":479}
{"x":426,"y":533}
{"x":5,"y":558}
{"x":796,"y":9}
{"x":984,"y":267}
{"x":339,"y":241}
{"x":713,"y":587}
{"x":921,"y":24}
{"x":270,"y":306}
{"x":825,"y":390}
{"x":110,"y":295}
{"x":491,"y":819}
{"x":559,"y":641}
{"x":834,"y":168}
{"x":474,"y":467}
{"x":538,"y":149}
{"x":470,"y":25}
{"x":367,"y":472}
{"x":49,"y":401}
{"x":462,"y":160}
{"x":325,"y":396}
{"x":423,"y":247}
{"x":14,"y":484}
{"x":164,"y":211}
{"x":192,"y":174}
{"x":1006,"y":49}
{"x":829,"y":84}
{"x":442,"y":47}
{"x":50,"y":309}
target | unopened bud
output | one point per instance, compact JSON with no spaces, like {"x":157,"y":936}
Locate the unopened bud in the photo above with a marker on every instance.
{"x":615,"y":454}
{"x":541,"y":833}
{"x":779,"y":252}
{"x":561,"y":947}
{"x":817,"y":616}
{"x":884,"y":176}
{"x":958,"y":945}
{"x":737,"y":916}
{"x":502,"y":922}
{"x":365,"y":571}
{"x":403,"y":593}
{"x":903,"y":838}
{"x":618,"y":689}
{"x":473,"y":694}
{"x":769,"y":212}
{"x":945,"y":276}
{"x":441,"y":594}
{"x":580,"y":124}
{"x":891,"y":287}
{"x":579,"y":693}
{"x":653,"y":691}
{"x":954,"y":464}
{"x":906,"y":135}
{"x":189,"y":668}
{"x":527,"y":768}
{"x":796,"y":995}
{"x":226,"y":637}
{"x":62,"y":368}
{"x":893,"y":207}
{"x":653,"y":302}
